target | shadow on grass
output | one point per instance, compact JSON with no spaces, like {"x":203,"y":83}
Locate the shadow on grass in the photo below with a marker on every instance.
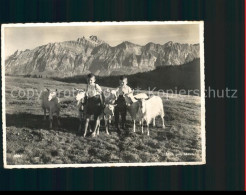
{"x":71,"y":124}
{"x":36,"y":122}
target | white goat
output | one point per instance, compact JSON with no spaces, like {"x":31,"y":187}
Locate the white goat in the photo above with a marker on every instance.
{"x":108,"y":111}
{"x":80,"y":97}
{"x":50,"y":102}
{"x":107,"y":114}
{"x":110,"y":98}
{"x":133,"y":106}
{"x":150,"y":109}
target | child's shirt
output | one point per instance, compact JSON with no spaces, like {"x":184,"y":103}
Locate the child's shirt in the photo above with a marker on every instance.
{"x":123,"y":90}
{"x":93,"y":90}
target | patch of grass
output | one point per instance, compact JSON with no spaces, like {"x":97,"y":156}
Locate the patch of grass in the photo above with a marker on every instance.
{"x":130,"y":157}
{"x":46,"y":158}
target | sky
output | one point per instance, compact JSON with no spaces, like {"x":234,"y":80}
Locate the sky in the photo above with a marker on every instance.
{"x":28,"y":37}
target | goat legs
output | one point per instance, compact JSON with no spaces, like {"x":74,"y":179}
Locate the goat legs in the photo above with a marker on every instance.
{"x":98,"y":128}
{"x":86,"y":125}
{"x":153,"y":122}
{"x":106,"y":125}
{"x":142,"y":125}
{"x":97,"y":125}
{"x":51,"y":119}
{"x":109,"y":120}
{"x":163,"y":124}
{"x":140,"y":122}
{"x":148,"y":129}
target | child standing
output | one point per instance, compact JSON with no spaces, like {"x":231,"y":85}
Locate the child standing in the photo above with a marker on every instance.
{"x":120,"y":109}
{"x":94,"y":102}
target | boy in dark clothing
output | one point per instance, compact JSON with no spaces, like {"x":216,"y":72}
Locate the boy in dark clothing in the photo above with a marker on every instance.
{"x":93,"y":102}
{"x":121,"y":108}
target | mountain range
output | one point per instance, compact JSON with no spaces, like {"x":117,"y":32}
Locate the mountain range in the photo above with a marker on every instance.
{"x":85,"y":55}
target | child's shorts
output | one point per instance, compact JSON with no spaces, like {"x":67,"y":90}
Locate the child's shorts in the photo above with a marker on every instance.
{"x":94,"y":106}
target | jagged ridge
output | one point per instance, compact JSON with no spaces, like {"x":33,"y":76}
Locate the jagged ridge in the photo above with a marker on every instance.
{"x":91,"y":54}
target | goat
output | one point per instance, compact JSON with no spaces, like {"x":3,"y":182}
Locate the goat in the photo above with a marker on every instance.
{"x":149,"y":110}
{"x":50,"y":102}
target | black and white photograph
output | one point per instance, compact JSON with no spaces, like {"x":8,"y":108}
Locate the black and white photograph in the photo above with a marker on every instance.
{"x":103,"y":94}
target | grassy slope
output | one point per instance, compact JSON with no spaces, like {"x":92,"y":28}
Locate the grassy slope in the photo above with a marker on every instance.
{"x":29,"y":141}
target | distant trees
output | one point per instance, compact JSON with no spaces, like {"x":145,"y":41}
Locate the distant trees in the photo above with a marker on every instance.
{"x":33,"y":76}
{"x":29,"y":76}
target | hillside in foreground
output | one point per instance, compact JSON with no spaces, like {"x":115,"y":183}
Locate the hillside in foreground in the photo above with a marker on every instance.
{"x":30,"y":141}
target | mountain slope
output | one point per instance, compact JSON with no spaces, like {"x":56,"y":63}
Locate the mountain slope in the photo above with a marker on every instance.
{"x":175,"y":78}
{"x":94,"y":55}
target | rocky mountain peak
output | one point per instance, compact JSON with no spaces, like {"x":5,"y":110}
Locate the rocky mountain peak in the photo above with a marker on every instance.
{"x":90,"y":54}
{"x":127,"y":44}
{"x":93,"y":40}
{"x":169,"y":43}
{"x":153,"y":46}
{"x":17,"y":52}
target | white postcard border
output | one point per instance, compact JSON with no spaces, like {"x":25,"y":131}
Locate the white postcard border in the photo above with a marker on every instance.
{"x":202,"y":79}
